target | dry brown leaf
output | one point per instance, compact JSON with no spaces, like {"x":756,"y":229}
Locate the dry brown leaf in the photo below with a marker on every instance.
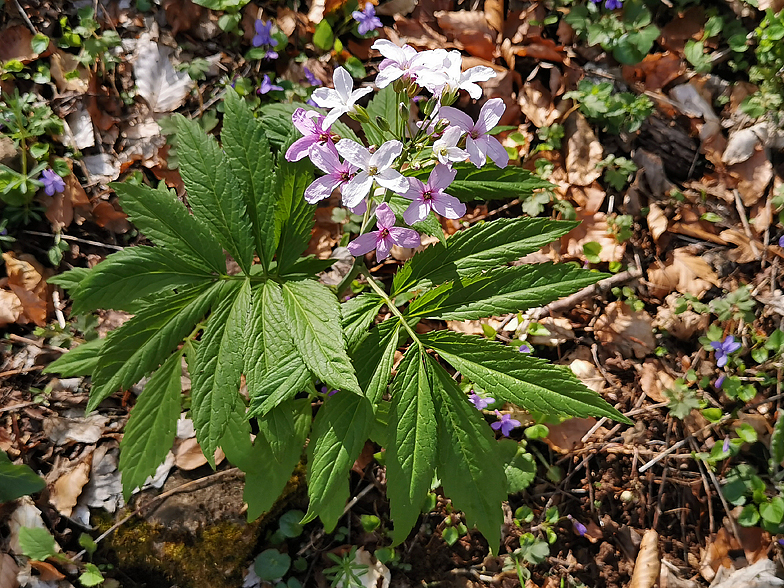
{"x":60,"y":207}
{"x":683,"y":272}
{"x":15,"y":43}
{"x":108,"y":217}
{"x":647,"y":565}
{"x":655,"y":71}
{"x":519,"y":23}
{"x":682,"y":326}
{"x":761,"y":216}
{"x":747,"y":249}
{"x":685,"y":26}
{"x":567,"y":436}
{"x":716,"y":555}
{"x":64,"y":63}
{"x":33,"y":306}
{"x":10,"y":308}
{"x":417,"y":33}
{"x":587,"y":373}
{"x":182,"y":15}
{"x":27,"y":280}
{"x":64,"y":431}
{"x":657,"y":222}
{"x":494,"y":14}
{"x":536,"y":103}
{"x":592,"y":228}
{"x":626,"y":331}
{"x":66,"y":490}
{"x":589,"y":198}
{"x":470,"y":29}
{"x":753,"y":176}
{"x":189,"y":456}
{"x":47,"y":572}
{"x":8,"y":571}
{"x":542,"y":49}
{"x":654,"y":380}
{"x":582,"y":150}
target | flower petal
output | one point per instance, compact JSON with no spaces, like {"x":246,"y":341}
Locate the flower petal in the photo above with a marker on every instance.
{"x":300,"y":148}
{"x":417,"y":211}
{"x":496,"y":151}
{"x":490,"y":114}
{"x":326,"y":98}
{"x":383,"y":247}
{"x":363,"y":244}
{"x":343,"y":83}
{"x":354,"y":153}
{"x":393,"y":180}
{"x":325,"y":157}
{"x":386,"y":154}
{"x":356,"y":189}
{"x":448,"y":206}
{"x":415,"y":189}
{"x":321,"y":188}
{"x":303,"y":121}
{"x":386,"y":218}
{"x":405,"y":237}
{"x":456,"y":117}
{"x":441,"y":177}
{"x":334,"y":115}
{"x":389,"y":50}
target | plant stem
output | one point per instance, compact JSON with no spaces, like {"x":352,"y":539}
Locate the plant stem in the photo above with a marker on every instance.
{"x":380,"y":291}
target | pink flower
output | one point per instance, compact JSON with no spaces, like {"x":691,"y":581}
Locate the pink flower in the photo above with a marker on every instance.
{"x":479,"y":143}
{"x":386,"y":236}
{"x":337,"y":173}
{"x":431,"y":196}
{"x":340,"y":100}
{"x":375,"y":166}
{"x":407,"y":63}
{"x":311,"y":124}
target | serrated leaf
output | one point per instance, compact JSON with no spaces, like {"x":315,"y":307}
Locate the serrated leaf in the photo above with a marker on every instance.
{"x":71,"y":279}
{"x":478,"y":248}
{"x":412,"y":441}
{"x":214,"y":193}
{"x":340,"y":430}
{"x":384,"y":105}
{"x":79,"y":361}
{"x":144,"y":342}
{"x":519,"y":466}
{"x":149,"y":433}
{"x":17,"y":480}
{"x":294,"y":217}
{"x":307,"y":267}
{"x":268,"y":471}
{"x":283,"y":382}
{"x":167,"y":223}
{"x":37,"y":543}
{"x":251,"y":161}
{"x":469,"y":465}
{"x":374,"y":358}
{"x":218,"y":367}
{"x":490,"y":182}
{"x":133,"y":273}
{"x":357,"y":314}
{"x":510,"y":376}
{"x":504,"y":290}
{"x":313,"y":315}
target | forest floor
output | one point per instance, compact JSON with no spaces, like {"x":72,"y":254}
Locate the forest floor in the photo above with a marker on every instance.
{"x":658,"y":126}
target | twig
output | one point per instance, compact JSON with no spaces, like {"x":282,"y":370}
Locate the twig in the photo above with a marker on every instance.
{"x":27,"y":370}
{"x":76,"y":240}
{"x":745,"y":222}
{"x":681,"y":443}
{"x":26,"y":341}
{"x":17,"y":406}
{"x":25,"y":17}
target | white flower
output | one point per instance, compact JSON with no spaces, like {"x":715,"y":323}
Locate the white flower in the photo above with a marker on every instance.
{"x":456,"y":78}
{"x":407,"y":63}
{"x":479,"y":143}
{"x":375,"y":166}
{"x":340,"y":100}
{"x":446,"y":150}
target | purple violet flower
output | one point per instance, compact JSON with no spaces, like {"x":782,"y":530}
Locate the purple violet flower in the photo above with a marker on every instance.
{"x":525,"y":348}
{"x":311,"y":124}
{"x":726,"y":446}
{"x":311,"y":77}
{"x":367,"y":19}
{"x":386,"y":236}
{"x":506,"y":424}
{"x":578,"y":527}
{"x":719,"y":381}
{"x":263,"y":34}
{"x":723,"y":349}
{"x":337,"y":173}
{"x":479,"y":144}
{"x":431,"y":196}
{"x":479,"y":402}
{"x":781,"y":241}
{"x":613,"y":4}
{"x":267,"y":86}
{"x":52,"y":182}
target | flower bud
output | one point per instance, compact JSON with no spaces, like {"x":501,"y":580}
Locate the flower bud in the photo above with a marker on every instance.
{"x":441,"y":126}
{"x":448,"y":98}
{"x":403,"y":111}
{"x":382,"y":123}
{"x":429,"y":106}
{"x":359,"y":114}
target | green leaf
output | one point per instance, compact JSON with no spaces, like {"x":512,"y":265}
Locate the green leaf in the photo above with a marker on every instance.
{"x":358,"y":314}
{"x":269,"y":470}
{"x":777,"y":442}
{"x":520,"y":467}
{"x":772,"y":512}
{"x":294,"y":217}
{"x":281,"y":383}
{"x":91,"y":576}
{"x":374,"y":359}
{"x":307,"y":267}
{"x":483,"y":246}
{"x":694,"y":51}
{"x":149,"y":433}
{"x":218,"y":368}
{"x":313,"y":316}
{"x":79,"y":361}
{"x":490,"y":182}
{"x":412,"y":441}
{"x":271,"y":564}
{"x":144,"y":342}
{"x":166,"y":221}
{"x":323,"y":35}
{"x":214,"y":193}
{"x":749,"y":516}
{"x":510,"y":376}
{"x":251,"y":161}
{"x":133,"y":273}
{"x":340,"y":430}
{"x":17,"y":480}
{"x":71,"y":279}
{"x":39,"y":43}
{"x":37,"y":543}
{"x":384,"y":105}
{"x":504,"y":290}
{"x":468,"y":462}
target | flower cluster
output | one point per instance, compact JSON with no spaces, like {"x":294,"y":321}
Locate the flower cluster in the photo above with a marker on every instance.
{"x":418,"y":164}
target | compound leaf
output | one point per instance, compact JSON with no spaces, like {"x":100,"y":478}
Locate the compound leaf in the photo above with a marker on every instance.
{"x":374,"y":358}
{"x":166,"y":221}
{"x":469,"y":465}
{"x":144,"y":342}
{"x":71,"y":279}
{"x":294,"y":217}
{"x":251,"y":161}
{"x":218,"y":367}
{"x":476,"y":249}
{"x":133,"y":273}
{"x":150,"y":431}
{"x":510,"y":376}
{"x":357,"y":315}
{"x":412,"y":441}
{"x":510,"y":289}
{"x":214,"y":193}
{"x":340,"y":430}
{"x":312,"y":312}
{"x":490,"y":182}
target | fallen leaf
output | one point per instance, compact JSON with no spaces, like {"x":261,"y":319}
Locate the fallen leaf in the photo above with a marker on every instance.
{"x":8,"y":571}
{"x":46,"y":571}
{"x":582,"y":151}
{"x":377,"y":574}
{"x":536,"y":103}
{"x":25,"y":515}
{"x":108,"y":217}
{"x":469,"y":28}
{"x":66,"y":490}
{"x":683,"y":272}
{"x":80,"y":133}
{"x":655,"y":71}
{"x":743,"y":143}
{"x":10,"y":308}
{"x":62,"y":63}
{"x":104,"y":490}
{"x":102,"y":167}
{"x":647,"y":565}
{"x":686,"y":25}
{"x":657,"y":222}
{"x":15,"y":43}
{"x":494,"y":14}
{"x":62,"y":430}
{"x":592,"y":228}
{"x":682,"y":325}
{"x":753,"y":176}
{"x":747,"y":250}
{"x":182,"y":15}
{"x":163,"y":88}
{"x":567,"y":436}
{"x":189,"y":456}
{"x":625,"y":331}
{"x":654,"y":380}
{"x":27,"y":280}
{"x":762,"y":574}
